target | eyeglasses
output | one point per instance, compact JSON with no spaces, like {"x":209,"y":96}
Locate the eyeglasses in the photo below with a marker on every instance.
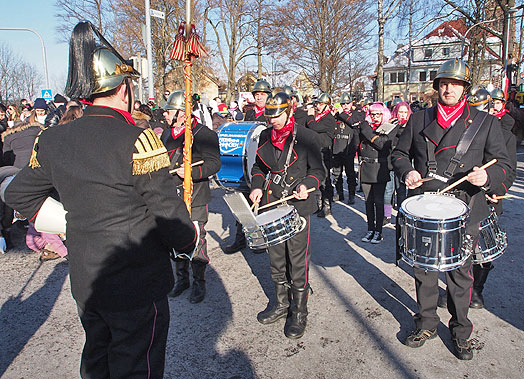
{"x":375,"y":114}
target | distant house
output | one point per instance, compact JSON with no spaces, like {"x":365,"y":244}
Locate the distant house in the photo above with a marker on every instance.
{"x":409,"y":73}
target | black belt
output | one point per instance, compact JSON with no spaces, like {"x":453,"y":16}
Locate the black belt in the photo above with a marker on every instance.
{"x":373,"y":160}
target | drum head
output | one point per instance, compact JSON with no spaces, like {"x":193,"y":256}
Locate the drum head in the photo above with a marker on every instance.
{"x":274,"y":214}
{"x":433,"y":206}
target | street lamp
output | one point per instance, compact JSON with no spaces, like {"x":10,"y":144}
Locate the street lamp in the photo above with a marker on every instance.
{"x":43,"y":49}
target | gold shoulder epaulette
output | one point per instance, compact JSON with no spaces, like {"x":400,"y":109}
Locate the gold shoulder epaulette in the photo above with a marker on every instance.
{"x":33,"y":161}
{"x":152,"y":154}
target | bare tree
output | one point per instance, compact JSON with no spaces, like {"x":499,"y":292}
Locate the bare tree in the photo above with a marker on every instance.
{"x":70,"y":12}
{"x":18,"y":79}
{"x":231,"y":21}
{"x":317,"y":36}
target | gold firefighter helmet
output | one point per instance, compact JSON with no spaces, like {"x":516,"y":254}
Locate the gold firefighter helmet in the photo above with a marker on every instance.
{"x":289,"y":91}
{"x":95,"y":66}
{"x":345,"y":98}
{"x":453,"y":69}
{"x":277,"y":104}
{"x":110,"y":71}
{"x":175,"y":101}
{"x":478,"y":97}
{"x":261,"y":86}
{"x":324,"y":98}
{"x":498,"y":94}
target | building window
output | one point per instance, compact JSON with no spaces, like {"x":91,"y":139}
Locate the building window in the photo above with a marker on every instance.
{"x":401,"y":77}
{"x":445,"y":51}
{"x":422,"y":76}
{"x":428,"y":53}
{"x":392,"y":77}
{"x":432,"y":75}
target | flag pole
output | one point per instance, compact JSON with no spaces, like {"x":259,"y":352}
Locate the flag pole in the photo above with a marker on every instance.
{"x":188,"y":135}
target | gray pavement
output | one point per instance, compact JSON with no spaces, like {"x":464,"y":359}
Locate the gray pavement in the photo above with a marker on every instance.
{"x":360,"y":312}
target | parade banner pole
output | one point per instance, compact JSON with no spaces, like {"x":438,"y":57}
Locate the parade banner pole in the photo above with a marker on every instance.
{"x":188,"y":135}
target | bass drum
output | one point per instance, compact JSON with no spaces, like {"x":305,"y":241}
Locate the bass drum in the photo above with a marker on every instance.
{"x":238,"y":148}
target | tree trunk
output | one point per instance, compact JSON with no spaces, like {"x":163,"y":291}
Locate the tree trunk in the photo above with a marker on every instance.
{"x":380,"y":53}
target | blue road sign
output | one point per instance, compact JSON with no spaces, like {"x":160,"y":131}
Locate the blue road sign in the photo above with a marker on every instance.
{"x":47,"y":94}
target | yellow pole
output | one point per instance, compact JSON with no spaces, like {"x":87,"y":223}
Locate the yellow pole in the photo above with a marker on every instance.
{"x":188,"y":135}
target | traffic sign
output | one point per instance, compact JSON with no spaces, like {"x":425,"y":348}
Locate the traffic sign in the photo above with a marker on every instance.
{"x":47,"y":94}
{"x":158,"y":14}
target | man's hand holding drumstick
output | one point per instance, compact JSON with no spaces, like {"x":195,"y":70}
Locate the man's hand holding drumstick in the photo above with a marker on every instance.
{"x":478,"y":177}
{"x":301,"y":194}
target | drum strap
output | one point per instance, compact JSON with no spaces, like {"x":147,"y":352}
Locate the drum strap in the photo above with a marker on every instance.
{"x":281,"y":178}
{"x":465,"y":142}
{"x":432,"y":161}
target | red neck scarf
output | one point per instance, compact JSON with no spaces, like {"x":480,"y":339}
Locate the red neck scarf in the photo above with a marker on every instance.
{"x":402,"y":122}
{"x":374,"y":126}
{"x":501,"y":113}
{"x":278,"y":137}
{"x":447,"y":116}
{"x":322,"y":114}
{"x":177,"y":131}
{"x":259,"y":111}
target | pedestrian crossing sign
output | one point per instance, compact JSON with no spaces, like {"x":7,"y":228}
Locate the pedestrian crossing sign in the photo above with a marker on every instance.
{"x":47,"y":94}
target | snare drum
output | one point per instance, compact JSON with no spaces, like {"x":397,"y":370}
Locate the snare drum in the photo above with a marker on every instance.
{"x":433,"y":232}
{"x":274,"y":227}
{"x":492,"y":240}
{"x":238,"y":148}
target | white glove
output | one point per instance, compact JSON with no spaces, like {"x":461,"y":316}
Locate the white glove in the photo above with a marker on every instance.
{"x":3,"y":245}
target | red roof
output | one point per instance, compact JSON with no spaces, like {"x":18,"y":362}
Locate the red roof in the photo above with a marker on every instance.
{"x":453,"y":28}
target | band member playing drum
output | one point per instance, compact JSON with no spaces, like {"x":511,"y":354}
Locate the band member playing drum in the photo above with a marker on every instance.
{"x":430,"y":141}
{"x":288,"y":162}
{"x":205,"y":150}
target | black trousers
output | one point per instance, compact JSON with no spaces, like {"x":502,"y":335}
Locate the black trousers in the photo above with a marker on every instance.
{"x":374,"y":194}
{"x":326,"y":187}
{"x":125,"y":344}
{"x":459,"y":283}
{"x":344,"y":161}
{"x":294,"y":255}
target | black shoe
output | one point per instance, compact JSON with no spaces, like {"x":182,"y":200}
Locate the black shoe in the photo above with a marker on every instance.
{"x":419,"y":337}
{"x":351,"y":200}
{"x":298,"y":321}
{"x":180,"y":286}
{"x":477,"y":300}
{"x":238,"y":245}
{"x":281,"y":308}
{"x":377,"y":238}
{"x":198,"y":292}
{"x":463,"y":349}
{"x":443,"y":300}
{"x":368,"y":237}
{"x":326,"y":209}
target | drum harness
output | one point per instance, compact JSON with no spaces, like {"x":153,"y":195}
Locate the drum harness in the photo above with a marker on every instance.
{"x":462,"y":147}
{"x":281,"y":179}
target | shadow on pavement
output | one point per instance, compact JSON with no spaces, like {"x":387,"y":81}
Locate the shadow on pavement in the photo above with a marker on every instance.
{"x":18,"y":319}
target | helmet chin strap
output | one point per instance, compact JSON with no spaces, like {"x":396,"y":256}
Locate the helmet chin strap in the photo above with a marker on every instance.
{"x":129,"y":96}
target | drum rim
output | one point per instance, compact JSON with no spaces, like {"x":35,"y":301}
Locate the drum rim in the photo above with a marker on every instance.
{"x":462,"y":216}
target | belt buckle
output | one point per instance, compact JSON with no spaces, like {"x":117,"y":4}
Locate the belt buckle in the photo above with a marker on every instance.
{"x":277,"y":179}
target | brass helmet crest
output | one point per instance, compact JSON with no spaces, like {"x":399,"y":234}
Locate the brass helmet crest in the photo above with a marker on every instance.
{"x":453,"y":69}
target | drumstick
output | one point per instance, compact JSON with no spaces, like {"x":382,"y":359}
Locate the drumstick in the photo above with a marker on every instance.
{"x":425,"y":180}
{"x":508,"y":196}
{"x":192,"y":165}
{"x":282,"y":200}
{"x":464,"y":178}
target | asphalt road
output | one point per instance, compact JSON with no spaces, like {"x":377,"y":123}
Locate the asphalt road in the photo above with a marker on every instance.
{"x":360,"y":312}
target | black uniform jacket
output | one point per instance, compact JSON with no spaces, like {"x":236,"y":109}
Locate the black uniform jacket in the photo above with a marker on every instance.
{"x":325,"y":129}
{"x":250,"y":116}
{"x":375,"y":150}
{"x":205,"y":147}
{"x":305,"y":167}
{"x":487,"y":144}
{"x":112,"y":178}
{"x":347,"y":129}
{"x":301,"y":116}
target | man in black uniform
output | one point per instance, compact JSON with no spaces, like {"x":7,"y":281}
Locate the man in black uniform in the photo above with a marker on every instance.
{"x":430,"y":142}
{"x":261,"y":92}
{"x":205,"y":148}
{"x":321,"y":121}
{"x":345,"y":148}
{"x":295,"y":147}
{"x":112,"y":178}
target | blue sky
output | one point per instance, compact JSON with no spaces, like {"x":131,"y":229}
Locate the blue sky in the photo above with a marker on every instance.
{"x":38,"y":15}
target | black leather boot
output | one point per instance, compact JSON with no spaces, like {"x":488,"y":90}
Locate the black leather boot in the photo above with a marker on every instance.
{"x":198,"y":291}
{"x":326,"y":209}
{"x":339,"y":194}
{"x":182,"y":277}
{"x":297,"y":325}
{"x":240,"y":241}
{"x":281,"y":307}
{"x":480,"y":274}
{"x":320,"y":205}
